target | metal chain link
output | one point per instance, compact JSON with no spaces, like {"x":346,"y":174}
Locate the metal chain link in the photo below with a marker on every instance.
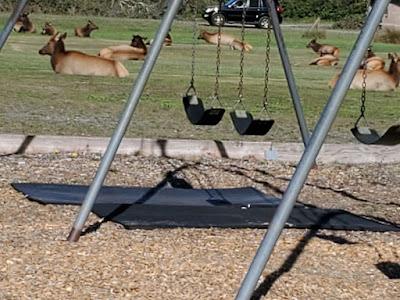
{"x":241,"y":73}
{"x":194,"y":43}
{"x":363,"y":97}
{"x":267,"y":65}
{"x":363,"y":89}
{"x":218,"y":59}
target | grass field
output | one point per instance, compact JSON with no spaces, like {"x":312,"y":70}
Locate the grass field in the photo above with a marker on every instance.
{"x":34,"y":100}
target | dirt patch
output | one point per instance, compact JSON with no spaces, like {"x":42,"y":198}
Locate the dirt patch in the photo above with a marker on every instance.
{"x":114,"y":263}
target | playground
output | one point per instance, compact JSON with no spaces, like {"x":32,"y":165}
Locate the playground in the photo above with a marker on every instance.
{"x":114,"y":263}
{"x":336,"y":255}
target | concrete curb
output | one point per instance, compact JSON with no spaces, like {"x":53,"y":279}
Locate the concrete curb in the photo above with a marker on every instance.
{"x":287,"y":152}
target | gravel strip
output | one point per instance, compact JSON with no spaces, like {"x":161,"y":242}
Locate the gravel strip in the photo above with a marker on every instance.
{"x":114,"y":263}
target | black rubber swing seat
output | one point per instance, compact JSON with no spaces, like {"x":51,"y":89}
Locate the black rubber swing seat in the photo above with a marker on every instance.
{"x":198,"y":115}
{"x":370,"y":136}
{"x":245,"y":124}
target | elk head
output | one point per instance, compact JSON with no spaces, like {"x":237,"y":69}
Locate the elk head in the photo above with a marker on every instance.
{"x":137,"y":42}
{"x":48,"y":49}
{"x":91,"y":25}
{"x":313,"y":41}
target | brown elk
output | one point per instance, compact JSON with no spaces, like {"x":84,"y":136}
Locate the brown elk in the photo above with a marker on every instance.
{"x":372,"y":62}
{"x":226,"y":39}
{"x":137,"y":50}
{"x":323,"y":49}
{"x":325,"y":60}
{"x":48,"y":29}
{"x":24,"y":24}
{"x":78,"y":63}
{"x":376,"y":80}
{"x":86,"y":30}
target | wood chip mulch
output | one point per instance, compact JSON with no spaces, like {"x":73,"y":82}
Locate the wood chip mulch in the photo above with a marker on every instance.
{"x":113,"y":263}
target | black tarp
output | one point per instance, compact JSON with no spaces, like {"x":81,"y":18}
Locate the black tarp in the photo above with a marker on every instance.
{"x":137,"y":207}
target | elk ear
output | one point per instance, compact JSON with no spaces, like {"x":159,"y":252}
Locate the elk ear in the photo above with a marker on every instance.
{"x":63,"y":36}
{"x":390,"y":56}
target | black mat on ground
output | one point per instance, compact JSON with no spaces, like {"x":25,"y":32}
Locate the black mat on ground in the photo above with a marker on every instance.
{"x":136,"y":207}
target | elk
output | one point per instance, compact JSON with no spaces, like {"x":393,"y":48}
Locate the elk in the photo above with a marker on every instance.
{"x":137,"y":50}
{"x":24,"y":24}
{"x":325,"y":60}
{"x":212,"y":38}
{"x":323,"y":49}
{"x":86,"y":30}
{"x":48,"y":29}
{"x":78,"y":63}
{"x":372,"y":62}
{"x":377,"y":80}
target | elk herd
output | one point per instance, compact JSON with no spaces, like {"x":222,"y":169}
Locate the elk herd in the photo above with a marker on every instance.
{"x":371,"y":73}
{"x":107,"y":62}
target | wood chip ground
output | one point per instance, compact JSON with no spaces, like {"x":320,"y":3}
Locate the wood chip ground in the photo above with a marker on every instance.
{"x":113,"y":263}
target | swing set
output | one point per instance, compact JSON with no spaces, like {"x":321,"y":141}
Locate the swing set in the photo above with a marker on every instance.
{"x":312,"y":145}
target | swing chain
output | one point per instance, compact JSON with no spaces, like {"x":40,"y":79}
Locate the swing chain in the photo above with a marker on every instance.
{"x":241,"y":73}
{"x":364,"y":89}
{"x":194,"y":43}
{"x":364,"y":77}
{"x":267,"y":65}
{"x":218,"y":60}
{"x":363,"y":97}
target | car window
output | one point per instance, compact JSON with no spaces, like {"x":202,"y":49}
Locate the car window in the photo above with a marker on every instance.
{"x":254,"y":3}
{"x":238,"y":4}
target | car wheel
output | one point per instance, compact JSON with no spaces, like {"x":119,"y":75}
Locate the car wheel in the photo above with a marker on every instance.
{"x":218,"y":19}
{"x":263,"y":22}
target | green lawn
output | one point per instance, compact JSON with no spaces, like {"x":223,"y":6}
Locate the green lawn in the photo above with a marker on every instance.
{"x":34,"y":100}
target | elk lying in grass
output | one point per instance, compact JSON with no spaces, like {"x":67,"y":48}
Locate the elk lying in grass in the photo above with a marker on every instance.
{"x":325,"y":60}
{"x":137,"y":50}
{"x":78,"y":63}
{"x":377,"y":80}
{"x":48,"y":29}
{"x":372,"y":62}
{"x":323,"y":49}
{"x":86,"y":30}
{"x":226,"y":39}
{"x":24,"y":24}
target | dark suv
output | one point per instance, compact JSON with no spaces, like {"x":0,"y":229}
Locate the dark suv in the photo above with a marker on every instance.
{"x":231,"y":12}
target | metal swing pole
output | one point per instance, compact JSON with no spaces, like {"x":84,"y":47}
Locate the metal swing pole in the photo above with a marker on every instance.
{"x":288,"y":72}
{"x":133,"y":100}
{"x":310,"y":154}
{"x":5,"y":33}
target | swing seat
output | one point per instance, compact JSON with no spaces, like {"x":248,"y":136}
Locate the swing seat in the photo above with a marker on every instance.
{"x":245,"y":124}
{"x":196,"y":113}
{"x":370,"y":136}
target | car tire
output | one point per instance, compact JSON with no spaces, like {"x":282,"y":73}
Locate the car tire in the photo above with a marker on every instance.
{"x":263,"y":22}
{"x":218,"y":19}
